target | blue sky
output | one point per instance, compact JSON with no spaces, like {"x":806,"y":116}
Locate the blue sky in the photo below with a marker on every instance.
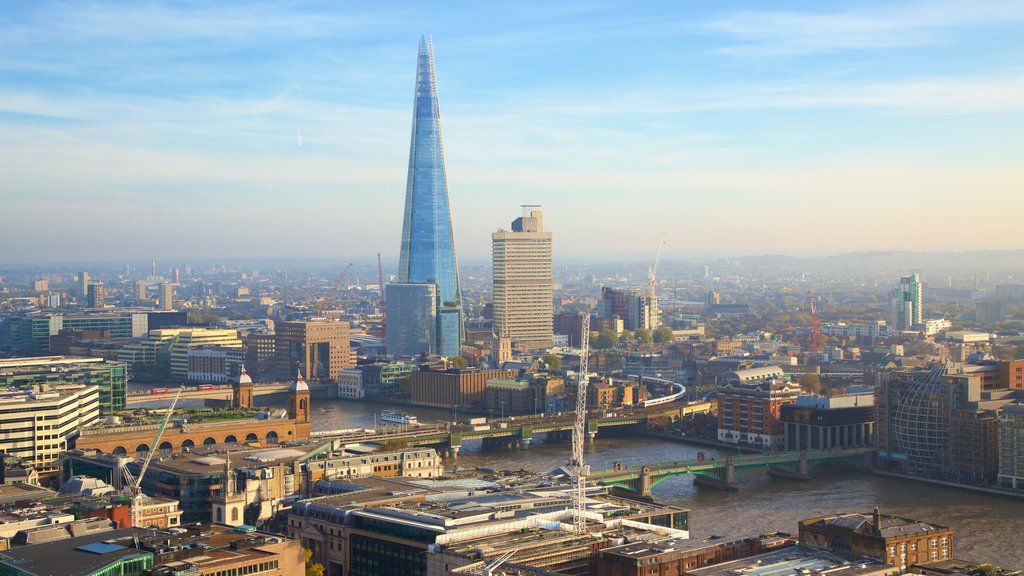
{"x":131,"y":130}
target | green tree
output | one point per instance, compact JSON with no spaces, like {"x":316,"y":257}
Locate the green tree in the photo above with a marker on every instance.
{"x":664,"y":334}
{"x":604,"y":340}
{"x":552,"y":361}
{"x":626,"y":336}
{"x":459,"y":362}
{"x":643,"y":335}
{"x":811,"y":383}
{"x":312,"y":568}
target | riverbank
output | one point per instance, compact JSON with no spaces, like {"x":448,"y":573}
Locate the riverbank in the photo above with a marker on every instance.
{"x":702,"y":442}
{"x":980,"y":489}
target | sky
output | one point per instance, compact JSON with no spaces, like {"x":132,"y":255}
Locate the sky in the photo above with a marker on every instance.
{"x":137,"y":130}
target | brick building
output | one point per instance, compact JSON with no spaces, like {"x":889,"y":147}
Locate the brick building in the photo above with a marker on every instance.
{"x":452,"y":387}
{"x":750,"y":412}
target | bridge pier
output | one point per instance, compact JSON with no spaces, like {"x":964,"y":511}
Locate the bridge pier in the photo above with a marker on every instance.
{"x":523,"y":443}
{"x":453,"y":451}
{"x":591,"y":436}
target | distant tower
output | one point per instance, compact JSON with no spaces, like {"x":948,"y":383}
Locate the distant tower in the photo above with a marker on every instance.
{"x":140,"y":290}
{"x":242,"y":390}
{"x":97,"y":295}
{"x":153,"y":271}
{"x":167,"y":296}
{"x":427,"y":254}
{"x":83,"y":285}
{"x":522,"y":280}
{"x":906,"y":303}
{"x":298,"y":400}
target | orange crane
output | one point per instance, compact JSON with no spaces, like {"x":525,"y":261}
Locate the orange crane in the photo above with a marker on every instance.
{"x":323,"y":301}
{"x":383,"y":310}
{"x":815,"y":331}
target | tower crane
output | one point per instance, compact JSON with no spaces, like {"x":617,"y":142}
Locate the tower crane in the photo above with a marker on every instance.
{"x":323,"y":301}
{"x":576,"y":464}
{"x":135,"y":483}
{"x":490,"y":568}
{"x":815,"y":330}
{"x":652,"y":279}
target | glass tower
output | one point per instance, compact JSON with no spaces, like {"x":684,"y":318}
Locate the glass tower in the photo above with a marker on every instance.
{"x":428,"y":247}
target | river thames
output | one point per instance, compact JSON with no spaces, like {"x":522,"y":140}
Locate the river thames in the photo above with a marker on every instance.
{"x":986,"y":527}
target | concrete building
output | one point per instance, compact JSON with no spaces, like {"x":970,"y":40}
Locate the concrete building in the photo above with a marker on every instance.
{"x":798,"y":561}
{"x":97,"y":296}
{"x":260,"y":355}
{"x":901,"y":542}
{"x":635,"y":309}
{"x":865,"y":331}
{"x":409,"y":463}
{"x":83,"y":285}
{"x":184,"y":341}
{"x":38,"y":423}
{"x":167,"y":296}
{"x":110,"y":378}
{"x":570,"y":324}
{"x":30,"y":335}
{"x":750,"y":411}
{"x":464,"y":387}
{"x":319,"y":349}
{"x":674,"y":556}
{"x":521,"y":279}
{"x":824,"y":422}
{"x":510,"y":396}
{"x":1011,"y":447}
{"x":906,"y":303}
{"x":214,"y":364}
{"x":377,"y":380}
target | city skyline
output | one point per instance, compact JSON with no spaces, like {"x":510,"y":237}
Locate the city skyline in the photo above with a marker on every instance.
{"x":766,"y":129}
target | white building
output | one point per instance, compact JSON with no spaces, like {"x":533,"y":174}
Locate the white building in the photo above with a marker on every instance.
{"x":350,"y":384}
{"x":877,"y":329}
{"x":523,"y":307}
{"x":1011,"y":446}
{"x":37,"y":423}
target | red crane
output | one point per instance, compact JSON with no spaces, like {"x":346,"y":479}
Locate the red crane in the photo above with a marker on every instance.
{"x":815,"y":331}
{"x":383,"y":310}
{"x":323,"y":301}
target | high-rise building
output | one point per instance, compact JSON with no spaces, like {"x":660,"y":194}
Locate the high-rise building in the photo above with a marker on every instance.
{"x":140,"y":290}
{"x":906,"y":303}
{"x":97,"y":296}
{"x":83,"y":285}
{"x":522,"y":281}
{"x":636,"y":310}
{"x":412,"y":319}
{"x":319,"y":349}
{"x":167,"y":296}
{"x":428,"y":246}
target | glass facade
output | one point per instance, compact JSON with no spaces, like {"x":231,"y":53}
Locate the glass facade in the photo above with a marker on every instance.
{"x":428,"y":247}
{"x":412,"y":319}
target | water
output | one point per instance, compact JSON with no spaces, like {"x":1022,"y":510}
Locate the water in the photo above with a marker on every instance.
{"x":986,"y":528}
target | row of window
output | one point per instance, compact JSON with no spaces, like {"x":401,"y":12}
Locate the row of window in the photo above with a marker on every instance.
{"x":250,"y":569}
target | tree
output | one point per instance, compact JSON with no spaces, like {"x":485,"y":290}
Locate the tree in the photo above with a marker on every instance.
{"x":811,"y":383}
{"x":643,"y":335}
{"x":312,"y":568}
{"x":459,"y":362}
{"x":552,"y":361}
{"x":664,"y":334}
{"x":626,"y":336}
{"x":604,"y":340}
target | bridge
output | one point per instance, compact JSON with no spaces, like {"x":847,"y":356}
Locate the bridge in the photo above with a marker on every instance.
{"x":722,"y":473}
{"x":213,"y":392}
{"x":519,"y":430}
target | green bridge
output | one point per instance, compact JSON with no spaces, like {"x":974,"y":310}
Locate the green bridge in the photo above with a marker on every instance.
{"x":721,"y":472}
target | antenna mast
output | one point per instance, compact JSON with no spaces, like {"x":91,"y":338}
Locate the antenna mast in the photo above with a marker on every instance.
{"x":577,"y":466}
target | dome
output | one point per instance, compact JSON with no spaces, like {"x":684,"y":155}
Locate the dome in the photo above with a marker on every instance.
{"x":243,"y":376}
{"x":299,"y":385}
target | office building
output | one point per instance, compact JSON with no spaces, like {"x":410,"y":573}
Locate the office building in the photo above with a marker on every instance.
{"x":1011,"y":447}
{"x":214,"y":364}
{"x":30,"y":335}
{"x":750,"y":412}
{"x":260,"y":355}
{"x":83,"y":285}
{"x":319,"y":349}
{"x":167,"y":296}
{"x":427,"y":252}
{"x":570,"y":324}
{"x":186,"y":340}
{"x":378,"y":380}
{"x":140,"y":290}
{"x":452,"y":387}
{"x":636,"y":310}
{"x":906,"y":302}
{"x":97,"y":296}
{"x":826,"y":422}
{"x":38,"y":422}
{"x":412,"y":319}
{"x":901,"y":542}
{"x":523,"y":298}
{"x":110,"y":378}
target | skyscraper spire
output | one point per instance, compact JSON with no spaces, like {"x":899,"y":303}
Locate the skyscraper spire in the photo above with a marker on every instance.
{"x":427,"y":253}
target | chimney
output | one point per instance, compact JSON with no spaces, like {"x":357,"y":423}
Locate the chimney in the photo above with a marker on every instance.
{"x":876,"y":520}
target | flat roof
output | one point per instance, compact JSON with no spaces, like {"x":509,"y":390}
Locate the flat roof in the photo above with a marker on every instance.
{"x":797,"y":560}
{"x":78,"y":556}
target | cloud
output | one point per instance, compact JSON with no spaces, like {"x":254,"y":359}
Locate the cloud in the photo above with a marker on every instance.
{"x":890,"y":25}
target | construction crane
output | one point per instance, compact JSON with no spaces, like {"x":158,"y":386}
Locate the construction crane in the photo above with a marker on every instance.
{"x":323,"y":301}
{"x":383,"y":310}
{"x":652,"y":279}
{"x":815,"y":330}
{"x":577,"y":466}
{"x":135,"y":483}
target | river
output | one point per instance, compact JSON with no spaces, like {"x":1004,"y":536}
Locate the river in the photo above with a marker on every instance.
{"x":986,"y":528}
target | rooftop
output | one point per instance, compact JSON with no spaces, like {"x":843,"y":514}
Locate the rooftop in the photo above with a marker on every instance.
{"x":797,"y":561}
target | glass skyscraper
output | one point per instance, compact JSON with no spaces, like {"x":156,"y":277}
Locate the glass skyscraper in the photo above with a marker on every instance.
{"x":428,"y":247}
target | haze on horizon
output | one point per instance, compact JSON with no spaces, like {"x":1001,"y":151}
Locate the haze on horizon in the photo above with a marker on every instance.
{"x":170,"y":130}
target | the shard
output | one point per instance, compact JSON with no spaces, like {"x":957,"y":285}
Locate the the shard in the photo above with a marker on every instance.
{"x":428,"y":248}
